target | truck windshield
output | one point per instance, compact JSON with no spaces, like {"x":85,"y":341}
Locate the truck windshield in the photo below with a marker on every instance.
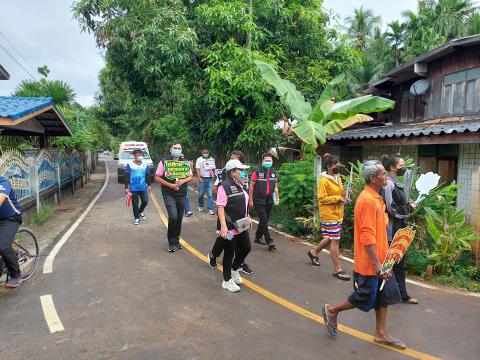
{"x":127,"y":155}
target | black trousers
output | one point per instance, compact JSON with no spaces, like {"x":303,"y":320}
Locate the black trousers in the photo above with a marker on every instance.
{"x":399,"y":272}
{"x":8,"y":230}
{"x":138,"y":196}
{"x":263,"y":211}
{"x":175,"y":208}
{"x":241,"y":242}
{"x":219,"y":245}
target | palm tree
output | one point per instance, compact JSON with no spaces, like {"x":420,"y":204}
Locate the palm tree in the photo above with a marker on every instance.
{"x":395,"y":35}
{"x":61,"y":93}
{"x":473,"y":25}
{"x":451,"y":17}
{"x":366,"y":72}
{"x":361,"y":25}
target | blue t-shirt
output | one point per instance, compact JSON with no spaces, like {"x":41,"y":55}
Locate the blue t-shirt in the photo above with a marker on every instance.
{"x":10,"y":206}
{"x":138,"y":176}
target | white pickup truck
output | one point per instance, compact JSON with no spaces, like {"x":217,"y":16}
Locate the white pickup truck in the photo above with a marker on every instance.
{"x":125,"y":157}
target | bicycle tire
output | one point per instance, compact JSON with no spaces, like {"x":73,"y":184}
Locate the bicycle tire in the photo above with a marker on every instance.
{"x":24,"y":254}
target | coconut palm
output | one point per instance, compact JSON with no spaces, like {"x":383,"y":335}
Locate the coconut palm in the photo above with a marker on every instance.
{"x":360,"y":26}
{"x":451,"y":16}
{"x":395,"y":35}
{"x":61,"y":93}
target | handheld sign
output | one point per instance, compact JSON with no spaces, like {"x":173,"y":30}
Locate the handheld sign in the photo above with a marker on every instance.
{"x":426,"y":183}
{"x":209,"y":164}
{"x":408,"y":182}
{"x":175,"y":170}
{"x":349,"y":184}
{"x":397,"y":250}
{"x":128,"y":199}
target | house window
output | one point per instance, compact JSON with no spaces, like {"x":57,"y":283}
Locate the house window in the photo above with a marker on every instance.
{"x":461,"y":92}
{"x":441,"y":159}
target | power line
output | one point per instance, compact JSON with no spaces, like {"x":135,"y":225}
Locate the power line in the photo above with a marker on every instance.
{"x":18,"y":62}
{"x":18,"y":52}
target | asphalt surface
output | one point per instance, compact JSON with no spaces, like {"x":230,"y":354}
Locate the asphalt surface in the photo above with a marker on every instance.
{"x":120,"y":295}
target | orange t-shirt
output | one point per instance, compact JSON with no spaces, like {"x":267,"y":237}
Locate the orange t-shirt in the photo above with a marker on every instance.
{"x":370,"y":227}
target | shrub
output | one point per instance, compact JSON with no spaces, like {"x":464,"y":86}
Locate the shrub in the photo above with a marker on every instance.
{"x":417,"y":261}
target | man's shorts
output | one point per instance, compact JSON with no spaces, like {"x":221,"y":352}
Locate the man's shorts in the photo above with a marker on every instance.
{"x":367,"y":294}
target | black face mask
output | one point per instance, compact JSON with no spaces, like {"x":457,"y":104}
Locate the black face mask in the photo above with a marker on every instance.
{"x":336,"y":170}
{"x":401,"y":172}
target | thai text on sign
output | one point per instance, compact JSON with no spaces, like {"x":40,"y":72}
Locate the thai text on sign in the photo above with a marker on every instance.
{"x":176,"y":169}
{"x":398,"y":248}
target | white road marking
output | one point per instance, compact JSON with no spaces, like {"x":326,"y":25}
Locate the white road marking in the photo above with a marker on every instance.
{"x":48,"y":265}
{"x":50,"y":313}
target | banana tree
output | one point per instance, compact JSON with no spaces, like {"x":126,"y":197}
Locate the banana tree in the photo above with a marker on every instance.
{"x":326,"y":117}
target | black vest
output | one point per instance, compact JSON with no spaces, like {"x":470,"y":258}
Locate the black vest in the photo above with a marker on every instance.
{"x":236,"y":203}
{"x":260,"y":190}
{"x":166,"y":190}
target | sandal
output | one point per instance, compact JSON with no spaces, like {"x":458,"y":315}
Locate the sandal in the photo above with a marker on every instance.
{"x":342,"y":275}
{"x":331,"y":327}
{"x":314,"y":259}
{"x":410,"y":300}
{"x":394,"y":343}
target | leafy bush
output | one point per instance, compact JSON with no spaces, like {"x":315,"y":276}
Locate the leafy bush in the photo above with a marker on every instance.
{"x":296,"y":184}
{"x":451,"y":237}
{"x":417,"y":261}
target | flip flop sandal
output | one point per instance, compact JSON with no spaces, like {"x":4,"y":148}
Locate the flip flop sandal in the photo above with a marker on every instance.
{"x":271,"y":247}
{"x":342,"y":275}
{"x":410,"y":301}
{"x":395,"y":343}
{"x":332,"y":329}
{"x":314,"y":259}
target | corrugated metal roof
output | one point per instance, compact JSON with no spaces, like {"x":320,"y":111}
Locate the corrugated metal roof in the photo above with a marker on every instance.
{"x":409,"y":130}
{"x":16,"y":107}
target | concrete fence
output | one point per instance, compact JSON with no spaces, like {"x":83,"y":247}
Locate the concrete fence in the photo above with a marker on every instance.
{"x":46,"y":175}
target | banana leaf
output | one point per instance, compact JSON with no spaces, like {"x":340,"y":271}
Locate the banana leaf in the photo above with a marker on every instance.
{"x":310,"y":132}
{"x":294,"y":101}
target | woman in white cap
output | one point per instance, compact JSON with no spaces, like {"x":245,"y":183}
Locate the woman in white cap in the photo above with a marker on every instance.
{"x":233,"y":224}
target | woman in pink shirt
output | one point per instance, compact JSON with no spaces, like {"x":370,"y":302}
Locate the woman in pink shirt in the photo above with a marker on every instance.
{"x":232,"y":209}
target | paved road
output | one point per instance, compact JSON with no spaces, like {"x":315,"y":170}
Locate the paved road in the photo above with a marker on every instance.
{"x":120,"y":295}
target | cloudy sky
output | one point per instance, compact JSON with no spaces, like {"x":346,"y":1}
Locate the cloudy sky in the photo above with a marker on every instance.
{"x":44,"y":33}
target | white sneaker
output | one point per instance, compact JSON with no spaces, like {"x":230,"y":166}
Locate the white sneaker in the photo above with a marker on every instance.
{"x":142,"y":216}
{"x":236,"y":277}
{"x":200,"y":209}
{"x":230,"y":286}
{"x":211,"y":212}
{"x":136,"y":222}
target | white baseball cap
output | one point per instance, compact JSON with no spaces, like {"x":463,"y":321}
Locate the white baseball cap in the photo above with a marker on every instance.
{"x":235,"y":164}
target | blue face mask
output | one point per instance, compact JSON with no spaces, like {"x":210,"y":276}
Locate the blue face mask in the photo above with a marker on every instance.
{"x":176,"y":153}
{"x":206,"y":156}
{"x":243,"y":175}
{"x":267,"y":164}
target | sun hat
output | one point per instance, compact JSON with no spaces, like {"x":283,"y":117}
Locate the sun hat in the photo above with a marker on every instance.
{"x":235,"y":164}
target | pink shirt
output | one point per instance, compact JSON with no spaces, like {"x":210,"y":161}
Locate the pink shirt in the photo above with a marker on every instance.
{"x":222,"y":200}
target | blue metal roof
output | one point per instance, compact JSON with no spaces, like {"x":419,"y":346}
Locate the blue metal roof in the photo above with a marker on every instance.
{"x":14,"y":107}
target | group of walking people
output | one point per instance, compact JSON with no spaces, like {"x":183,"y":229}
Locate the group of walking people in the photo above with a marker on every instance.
{"x":380,"y":210}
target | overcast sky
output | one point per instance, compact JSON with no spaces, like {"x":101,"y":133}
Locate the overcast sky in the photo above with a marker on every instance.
{"x":45,"y":34}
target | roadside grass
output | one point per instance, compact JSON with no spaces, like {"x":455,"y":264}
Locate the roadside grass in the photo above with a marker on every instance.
{"x":43,"y":215}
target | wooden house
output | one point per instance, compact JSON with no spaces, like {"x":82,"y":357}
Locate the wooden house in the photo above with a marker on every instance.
{"x":436,"y":119}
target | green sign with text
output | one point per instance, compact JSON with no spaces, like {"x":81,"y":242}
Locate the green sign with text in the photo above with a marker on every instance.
{"x":176,"y":169}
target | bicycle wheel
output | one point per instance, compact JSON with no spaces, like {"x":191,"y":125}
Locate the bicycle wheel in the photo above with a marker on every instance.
{"x":26,"y":247}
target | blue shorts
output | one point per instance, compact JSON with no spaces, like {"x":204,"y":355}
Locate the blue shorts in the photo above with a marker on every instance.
{"x":367,"y":294}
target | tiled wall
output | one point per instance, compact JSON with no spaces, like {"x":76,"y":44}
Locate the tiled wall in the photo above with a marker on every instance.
{"x":468,"y":164}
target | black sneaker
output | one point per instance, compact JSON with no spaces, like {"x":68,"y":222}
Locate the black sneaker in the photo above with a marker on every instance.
{"x":246,"y":269}
{"x":271,"y":247}
{"x":259,"y":241}
{"x":172,"y":248}
{"x":212,"y":261}
{"x":178,"y":246}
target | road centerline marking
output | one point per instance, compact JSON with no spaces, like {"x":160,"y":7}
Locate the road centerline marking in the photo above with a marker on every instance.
{"x":50,"y":314}
{"x":293,"y":307}
{"x":48,"y":264}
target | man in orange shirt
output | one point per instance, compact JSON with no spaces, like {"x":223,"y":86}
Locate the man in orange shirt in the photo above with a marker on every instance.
{"x":371,"y":245}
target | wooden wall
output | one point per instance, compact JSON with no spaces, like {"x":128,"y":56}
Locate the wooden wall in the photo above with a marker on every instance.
{"x":411,"y":109}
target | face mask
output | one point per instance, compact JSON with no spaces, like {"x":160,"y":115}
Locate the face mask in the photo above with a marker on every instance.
{"x":206,"y":156}
{"x":267,"y":164}
{"x":336,"y":170}
{"x":401,"y":172}
{"x":243,"y":175}
{"x":176,"y":153}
